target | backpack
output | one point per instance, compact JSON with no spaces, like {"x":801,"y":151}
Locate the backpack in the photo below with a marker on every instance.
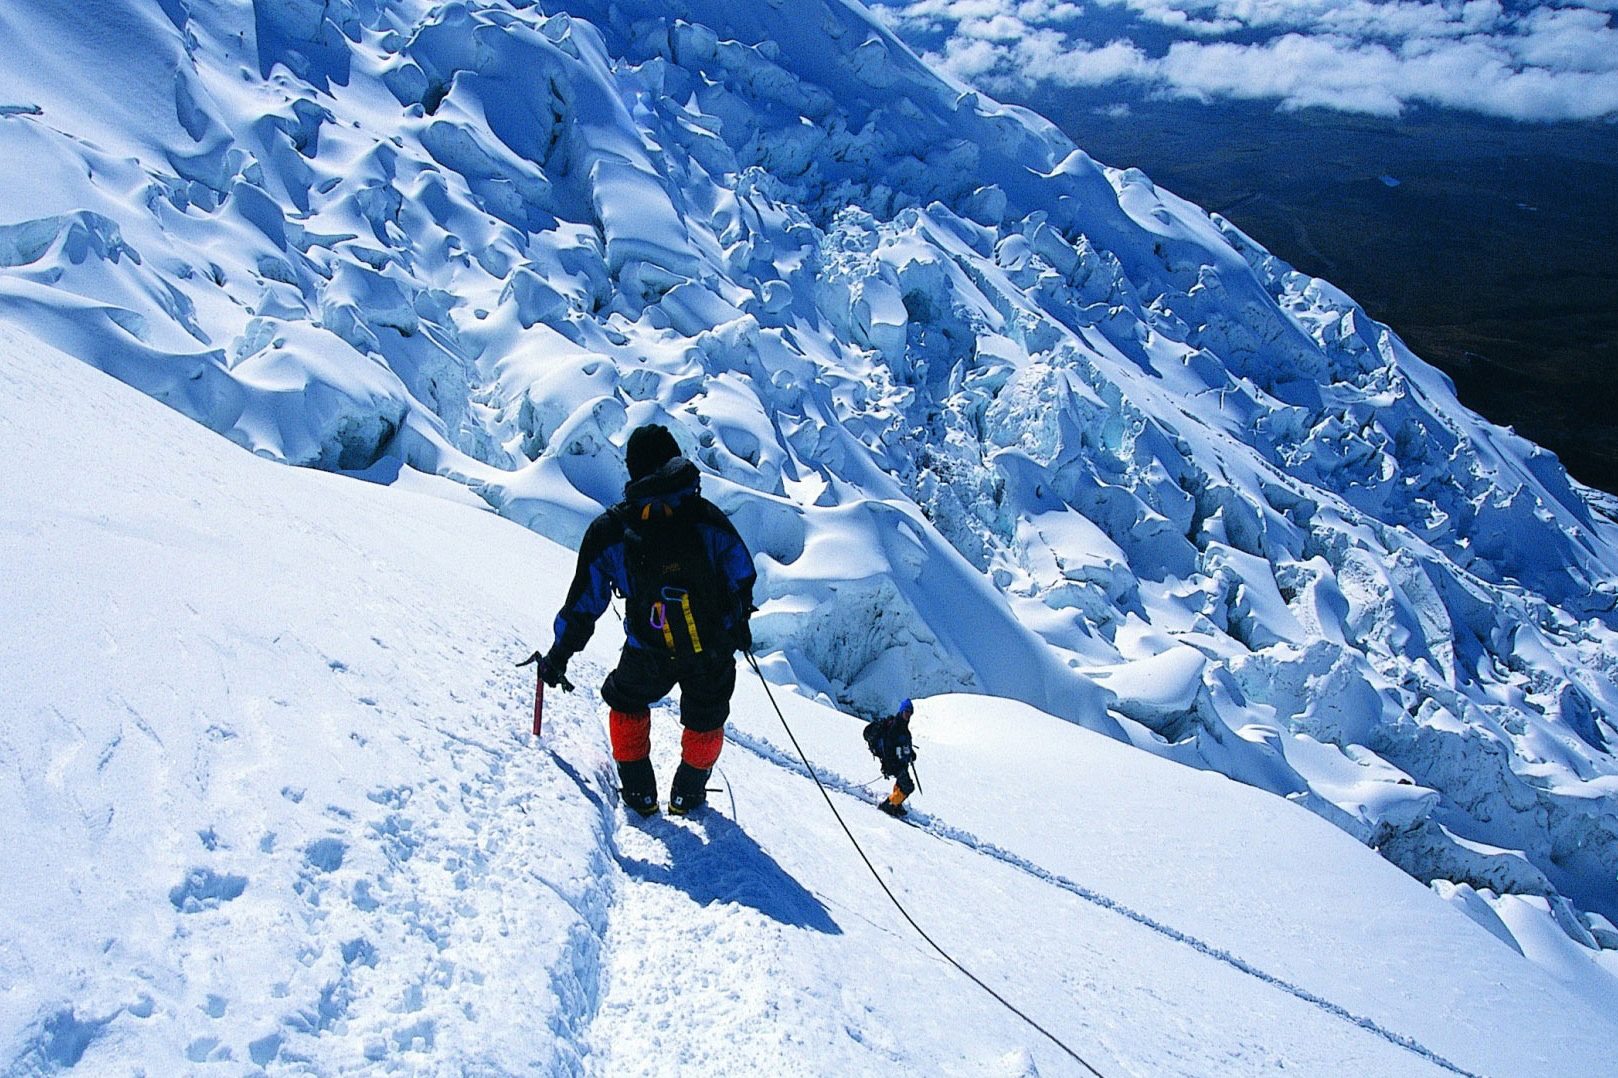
{"x":887,"y":743}
{"x":876,"y":736}
{"x":675,"y":595}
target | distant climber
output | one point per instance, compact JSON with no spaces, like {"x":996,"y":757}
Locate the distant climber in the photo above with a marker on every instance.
{"x":687,"y":582}
{"x":889,"y":741}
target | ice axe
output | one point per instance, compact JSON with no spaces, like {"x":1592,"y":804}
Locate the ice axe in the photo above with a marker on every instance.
{"x":541,"y":668}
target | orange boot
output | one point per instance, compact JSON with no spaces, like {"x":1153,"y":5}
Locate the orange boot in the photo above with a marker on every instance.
{"x":894,"y":805}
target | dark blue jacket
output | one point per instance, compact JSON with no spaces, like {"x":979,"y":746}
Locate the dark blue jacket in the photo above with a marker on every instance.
{"x":889,"y":741}
{"x":604,"y":566}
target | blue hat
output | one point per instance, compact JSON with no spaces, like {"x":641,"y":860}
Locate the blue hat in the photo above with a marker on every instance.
{"x":906,"y":707}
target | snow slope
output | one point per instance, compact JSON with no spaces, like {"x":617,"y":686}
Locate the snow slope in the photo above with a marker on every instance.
{"x":996,"y":418}
{"x":266,"y":820}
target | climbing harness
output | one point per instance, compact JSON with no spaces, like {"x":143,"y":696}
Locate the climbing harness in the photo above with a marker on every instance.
{"x":680,"y":599}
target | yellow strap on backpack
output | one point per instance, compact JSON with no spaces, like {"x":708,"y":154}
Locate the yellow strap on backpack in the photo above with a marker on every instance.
{"x":690,"y":624}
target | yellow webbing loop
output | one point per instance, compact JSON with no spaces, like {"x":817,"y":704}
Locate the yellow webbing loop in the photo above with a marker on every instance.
{"x":690,"y":624}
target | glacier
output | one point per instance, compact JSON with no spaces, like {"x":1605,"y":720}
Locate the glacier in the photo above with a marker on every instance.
{"x":995,"y":417}
{"x":265,"y":818}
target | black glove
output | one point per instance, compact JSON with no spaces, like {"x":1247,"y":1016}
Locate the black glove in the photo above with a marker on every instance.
{"x":552,"y":671}
{"x":553,"y":668}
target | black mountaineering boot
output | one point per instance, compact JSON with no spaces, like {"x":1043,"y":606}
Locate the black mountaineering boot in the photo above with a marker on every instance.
{"x":689,"y":790}
{"x":637,"y":785}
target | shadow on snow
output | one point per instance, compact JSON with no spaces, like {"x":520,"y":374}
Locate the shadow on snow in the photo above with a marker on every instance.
{"x":713,"y":860}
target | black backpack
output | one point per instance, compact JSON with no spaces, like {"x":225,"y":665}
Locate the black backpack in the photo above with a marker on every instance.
{"x":876,"y":736}
{"x":887,"y":743}
{"x":675,"y":596}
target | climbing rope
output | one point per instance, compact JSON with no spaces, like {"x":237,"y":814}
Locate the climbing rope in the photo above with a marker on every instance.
{"x":730,"y":790}
{"x":1007,"y":1004}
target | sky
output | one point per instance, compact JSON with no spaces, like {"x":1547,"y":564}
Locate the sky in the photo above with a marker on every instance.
{"x":1525,"y":62}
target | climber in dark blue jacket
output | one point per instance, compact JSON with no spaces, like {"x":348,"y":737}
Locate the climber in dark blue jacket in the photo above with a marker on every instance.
{"x":890,"y":742}
{"x":687,"y":582}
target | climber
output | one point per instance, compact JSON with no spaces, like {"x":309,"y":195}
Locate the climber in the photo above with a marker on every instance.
{"x":889,"y":741}
{"x":687,"y":582}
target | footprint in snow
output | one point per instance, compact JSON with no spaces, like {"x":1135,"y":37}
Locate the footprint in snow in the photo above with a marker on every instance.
{"x":205,"y":889}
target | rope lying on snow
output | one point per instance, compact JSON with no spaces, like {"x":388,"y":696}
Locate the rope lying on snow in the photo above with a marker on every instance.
{"x":1007,"y":1004}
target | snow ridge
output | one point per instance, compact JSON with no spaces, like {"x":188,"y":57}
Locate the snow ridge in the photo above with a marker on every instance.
{"x":995,"y":417}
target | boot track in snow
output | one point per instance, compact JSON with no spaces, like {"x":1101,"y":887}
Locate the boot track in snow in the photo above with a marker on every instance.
{"x":945,"y":832}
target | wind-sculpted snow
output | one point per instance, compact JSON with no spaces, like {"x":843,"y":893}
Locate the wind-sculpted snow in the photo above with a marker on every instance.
{"x":276,"y":806}
{"x":993,"y":416}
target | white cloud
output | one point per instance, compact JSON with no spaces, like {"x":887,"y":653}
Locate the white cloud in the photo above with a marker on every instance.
{"x":1112,"y":62}
{"x":1298,"y":71}
{"x":1001,"y":27}
{"x":971,"y":60}
{"x":1188,"y":18}
{"x":1553,"y":61}
{"x":1369,"y":18}
{"x":996,"y":62}
{"x":1050,"y":10}
{"x":1570,"y":39}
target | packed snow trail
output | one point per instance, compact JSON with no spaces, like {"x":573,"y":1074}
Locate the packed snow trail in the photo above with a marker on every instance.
{"x":691,"y":884}
{"x":701,"y":973}
{"x":752,"y":662}
{"x":1378,"y":955}
{"x":934,"y":826}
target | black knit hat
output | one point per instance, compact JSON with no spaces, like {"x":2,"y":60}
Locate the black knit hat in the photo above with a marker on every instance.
{"x":650,"y":447}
